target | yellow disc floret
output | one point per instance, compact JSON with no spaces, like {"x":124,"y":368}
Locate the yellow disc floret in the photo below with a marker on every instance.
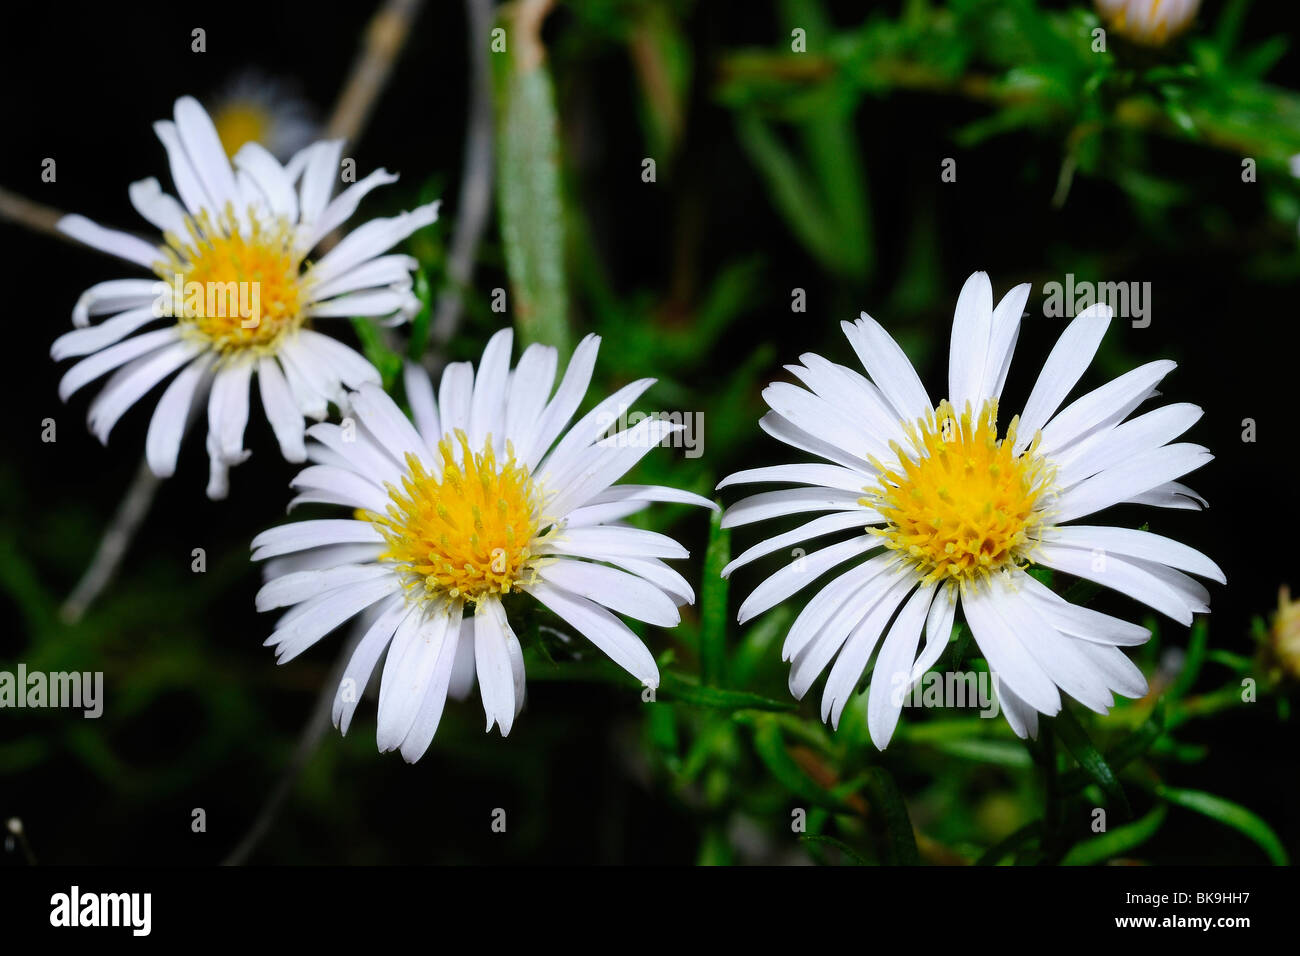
{"x":467,"y":534}
{"x":234,"y":285}
{"x":961,"y":504}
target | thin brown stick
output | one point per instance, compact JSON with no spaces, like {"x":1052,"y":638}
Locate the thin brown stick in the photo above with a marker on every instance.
{"x":32,"y":215}
{"x":113,"y":545}
{"x":384,"y":39}
{"x":475,"y":202}
{"x":312,"y":733}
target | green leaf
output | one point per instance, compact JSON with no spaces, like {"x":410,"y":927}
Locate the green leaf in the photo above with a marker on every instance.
{"x":715,"y":850}
{"x":1117,"y":842}
{"x":1011,"y":843}
{"x":888,"y":803}
{"x":1125,"y":752}
{"x":1082,"y":592}
{"x":676,"y":687}
{"x":1231,"y":815}
{"x":1197,"y":643}
{"x":529,"y":197}
{"x":794,"y":196}
{"x":377,"y":351}
{"x":759,"y":645}
{"x":713,"y":603}
{"x":1090,"y":759}
{"x":769,"y":744}
{"x":854,"y":857}
{"x":1002,"y":753}
{"x":419,"y":339}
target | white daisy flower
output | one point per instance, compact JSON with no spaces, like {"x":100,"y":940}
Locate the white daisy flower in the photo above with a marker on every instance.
{"x":254,"y":108}
{"x":1149,"y":22}
{"x":237,"y":294}
{"x":949,"y":512}
{"x":485,"y":495}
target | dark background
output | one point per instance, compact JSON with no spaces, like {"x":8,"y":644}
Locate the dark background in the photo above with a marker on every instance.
{"x":208,"y":717}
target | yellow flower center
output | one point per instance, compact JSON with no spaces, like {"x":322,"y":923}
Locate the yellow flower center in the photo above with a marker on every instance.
{"x":961,"y":504}
{"x":235,"y":286}
{"x":239,"y":123}
{"x":468,"y":534}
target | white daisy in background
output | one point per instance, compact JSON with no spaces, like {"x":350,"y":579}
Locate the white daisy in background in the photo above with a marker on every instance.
{"x":950,"y":512}
{"x":1149,"y":22}
{"x":254,"y":108}
{"x":485,"y":495}
{"x":241,"y":238}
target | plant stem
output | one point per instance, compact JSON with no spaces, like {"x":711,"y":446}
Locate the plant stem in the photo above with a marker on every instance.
{"x":113,"y":545}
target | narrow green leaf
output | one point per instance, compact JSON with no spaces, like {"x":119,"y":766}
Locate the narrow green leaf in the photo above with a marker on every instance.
{"x":794,"y":196}
{"x":854,"y":857}
{"x":887,"y":802}
{"x":715,"y":850}
{"x":1002,"y":753}
{"x":713,"y":604}
{"x":1090,"y":759}
{"x":388,"y":362}
{"x":419,"y":339}
{"x":1117,"y":842}
{"x":1082,"y":592}
{"x":769,"y":744}
{"x":1011,"y":844}
{"x":1231,"y":815}
{"x":1197,"y":643}
{"x":529,"y":197}
{"x":1125,"y":752}
{"x":675,"y":687}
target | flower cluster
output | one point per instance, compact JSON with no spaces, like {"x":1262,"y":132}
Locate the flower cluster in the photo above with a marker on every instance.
{"x":490,"y":491}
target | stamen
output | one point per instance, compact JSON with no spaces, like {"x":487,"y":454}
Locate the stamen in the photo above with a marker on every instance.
{"x":235,"y":285}
{"x":960,"y":504}
{"x":469,"y":532}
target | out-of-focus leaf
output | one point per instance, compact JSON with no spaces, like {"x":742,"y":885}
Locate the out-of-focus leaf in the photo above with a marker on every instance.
{"x":1011,"y":843}
{"x":715,"y":849}
{"x":1003,"y":753}
{"x":1082,"y":592}
{"x":1117,"y":842}
{"x":676,"y":687}
{"x":758,"y":645}
{"x":769,"y":744}
{"x":854,"y":857}
{"x":529,"y":197}
{"x":1231,"y":815}
{"x":419,"y":339}
{"x":1125,"y":752}
{"x":1197,"y":643}
{"x":887,"y":802}
{"x":1090,"y":759}
{"x":376,"y":350}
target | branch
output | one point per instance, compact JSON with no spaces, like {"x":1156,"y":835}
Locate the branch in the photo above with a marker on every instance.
{"x":475,"y":203}
{"x":312,"y":734}
{"x":112,"y":546}
{"x":31,"y":215}
{"x":384,"y":39}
